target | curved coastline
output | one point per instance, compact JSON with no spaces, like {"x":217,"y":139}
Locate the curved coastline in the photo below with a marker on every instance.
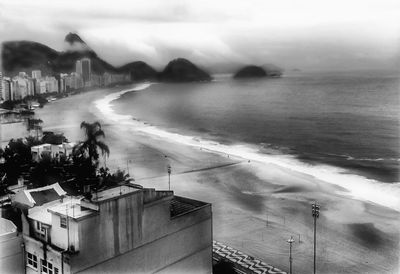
{"x":356,"y":186}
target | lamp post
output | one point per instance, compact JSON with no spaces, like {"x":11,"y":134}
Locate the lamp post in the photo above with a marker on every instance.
{"x":315,"y":213}
{"x":169,"y":177}
{"x":290,"y":241}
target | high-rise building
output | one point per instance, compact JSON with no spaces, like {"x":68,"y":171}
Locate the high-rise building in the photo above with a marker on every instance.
{"x":1,"y":86}
{"x":86,"y":70}
{"x":22,"y":74}
{"x":78,"y":67}
{"x":36,"y":74}
{"x":8,"y":92}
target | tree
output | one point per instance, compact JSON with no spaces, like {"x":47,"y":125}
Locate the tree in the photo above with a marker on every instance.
{"x":17,"y":158}
{"x":53,"y":138}
{"x":91,"y":146}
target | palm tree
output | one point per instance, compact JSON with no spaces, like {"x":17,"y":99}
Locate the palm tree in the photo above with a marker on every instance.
{"x":93,"y":143}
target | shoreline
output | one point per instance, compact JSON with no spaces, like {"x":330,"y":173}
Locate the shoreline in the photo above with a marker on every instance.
{"x":361,"y":188}
{"x":256,"y":207}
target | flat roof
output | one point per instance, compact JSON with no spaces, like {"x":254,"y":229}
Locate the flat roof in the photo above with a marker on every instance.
{"x":181,"y":205}
{"x":113,"y":193}
{"x":71,"y":207}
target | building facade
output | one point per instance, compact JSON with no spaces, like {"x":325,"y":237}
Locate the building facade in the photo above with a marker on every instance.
{"x":86,"y":71}
{"x":36,"y":74}
{"x":125,"y":229}
{"x":11,"y":255}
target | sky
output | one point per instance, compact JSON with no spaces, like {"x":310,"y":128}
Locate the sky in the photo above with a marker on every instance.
{"x":218,"y":34}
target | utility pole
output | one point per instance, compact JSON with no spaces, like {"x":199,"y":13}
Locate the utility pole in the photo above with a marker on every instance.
{"x":290,"y":241}
{"x":127,"y":165}
{"x":169,"y":177}
{"x":315,"y":214}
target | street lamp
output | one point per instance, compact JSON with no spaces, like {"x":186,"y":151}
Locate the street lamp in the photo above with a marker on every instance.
{"x":169,"y":177}
{"x":315,"y":214}
{"x":290,"y":241}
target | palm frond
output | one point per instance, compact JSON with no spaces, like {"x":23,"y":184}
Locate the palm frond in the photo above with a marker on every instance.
{"x":104,"y":148}
{"x":96,"y":125}
{"x":85,"y":125}
{"x":99,"y":133}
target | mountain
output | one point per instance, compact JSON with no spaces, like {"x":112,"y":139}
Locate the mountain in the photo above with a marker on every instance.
{"x":73,"y":42}
{"x":250,"y":71}
{"x":73,"y":38}
{"x":268,"y":70}
{"x":139,"y":71}
{"x":27,"y":56}
{"x":182,"y":70}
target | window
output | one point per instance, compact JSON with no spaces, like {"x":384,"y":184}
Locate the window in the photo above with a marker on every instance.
{"x":55,"y":270}
{"x":31,"y":260}
{"x":47,"y":267}
{"x":63,"y":222}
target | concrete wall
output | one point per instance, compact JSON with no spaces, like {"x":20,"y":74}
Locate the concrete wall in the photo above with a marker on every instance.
{"x":61,"y":236}
{"x":35,"y":247}
{"x":200,"y":262}
{"x":132,"y":237}
{"x":188,"y":251}
{"x":118,"y":229}
{"x":11,"y":260}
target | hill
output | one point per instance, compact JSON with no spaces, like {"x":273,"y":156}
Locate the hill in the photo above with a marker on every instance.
{"x":258,"y":72}
{"x":250,"y":71}
{"x":182,"y":70}
{"x":27,"y":56}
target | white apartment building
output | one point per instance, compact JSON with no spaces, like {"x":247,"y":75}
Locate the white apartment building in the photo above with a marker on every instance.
{"x":124,"y":229}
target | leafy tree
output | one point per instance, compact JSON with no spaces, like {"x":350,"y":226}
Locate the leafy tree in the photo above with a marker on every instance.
{"x":53,"y":138}
{"x":93,"y":143}
{"x":17,"y":159}
{"x":109,"y":180}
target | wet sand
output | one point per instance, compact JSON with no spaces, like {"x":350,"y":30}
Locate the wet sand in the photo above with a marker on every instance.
{"x":256,"y":207}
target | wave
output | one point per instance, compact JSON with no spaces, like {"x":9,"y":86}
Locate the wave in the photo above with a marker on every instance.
{"x":351,"y":158}
{"x":359,"y":187}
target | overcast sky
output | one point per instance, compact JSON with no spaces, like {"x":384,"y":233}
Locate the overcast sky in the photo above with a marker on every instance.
{"x":308,"y":34}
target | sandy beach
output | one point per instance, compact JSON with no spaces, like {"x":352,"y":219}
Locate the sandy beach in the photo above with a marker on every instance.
{"x":256,"y":206}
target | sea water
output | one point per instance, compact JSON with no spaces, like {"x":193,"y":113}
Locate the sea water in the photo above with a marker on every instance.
{"x":339,"y":127}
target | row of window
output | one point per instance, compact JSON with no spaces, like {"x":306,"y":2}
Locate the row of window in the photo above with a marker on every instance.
{"x":46,"y":267}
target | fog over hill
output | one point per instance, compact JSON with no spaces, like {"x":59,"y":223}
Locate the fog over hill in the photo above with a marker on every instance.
{"x":222,"y":36}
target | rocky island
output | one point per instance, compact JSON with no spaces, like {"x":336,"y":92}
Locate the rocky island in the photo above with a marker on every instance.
{"x":182,"y":70}
{"x":257,"y":72}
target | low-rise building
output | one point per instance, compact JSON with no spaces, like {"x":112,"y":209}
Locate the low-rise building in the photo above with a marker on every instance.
{"x":11,"y":255}
{"x":54,"y":151}
{"x":125,"y":229}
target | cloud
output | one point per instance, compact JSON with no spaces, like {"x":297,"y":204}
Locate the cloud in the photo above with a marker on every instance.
{"x":307,"y":34}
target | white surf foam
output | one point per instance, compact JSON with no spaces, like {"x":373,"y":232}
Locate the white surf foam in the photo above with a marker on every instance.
{"x":358,"y":186}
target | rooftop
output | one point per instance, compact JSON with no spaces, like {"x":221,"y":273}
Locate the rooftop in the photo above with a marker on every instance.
{"x":180,"y":205}
{"x":71,"y":207}
{"x":6,"y":227}
{"x":113,"y":193}
{"x":40,"y":196}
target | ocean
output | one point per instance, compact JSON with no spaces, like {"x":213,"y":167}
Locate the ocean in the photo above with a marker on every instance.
{"x":342,"y":128}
